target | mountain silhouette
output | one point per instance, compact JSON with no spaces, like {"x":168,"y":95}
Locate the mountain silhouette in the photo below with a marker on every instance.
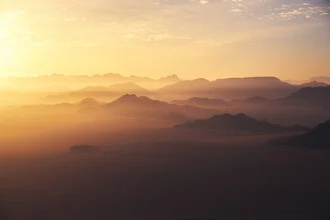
{"x":251,"y":82}
{"x":318,"y":137}
{"x":252,"y":100}
{"x":314,"y":84}
{"x":232,"y":88}
{"x":324,"y":79}
{"x":201,"y":102}
{"x":76,"y":82}
{"x":311,"y":96}
{"x":142,"y":106}
{"x":88,"y":105}
{"x":237,"y":124}
{"x":136,"y":101}
{"x":88,"y":102}
{"x":104,"y":93}
{"x":187,"y":86}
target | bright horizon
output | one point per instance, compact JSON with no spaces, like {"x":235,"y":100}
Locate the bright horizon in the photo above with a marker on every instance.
{"x":212,"y":78}
{"x":210,"y":39}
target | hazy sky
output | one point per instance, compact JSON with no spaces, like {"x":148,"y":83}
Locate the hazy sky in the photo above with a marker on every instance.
{"x":192,"y":38}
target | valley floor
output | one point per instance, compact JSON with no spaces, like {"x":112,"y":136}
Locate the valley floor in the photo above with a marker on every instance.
{"x":167,"y":174}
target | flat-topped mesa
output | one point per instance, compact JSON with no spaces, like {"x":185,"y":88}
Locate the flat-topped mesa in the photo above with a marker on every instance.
{"x":251,"y":82}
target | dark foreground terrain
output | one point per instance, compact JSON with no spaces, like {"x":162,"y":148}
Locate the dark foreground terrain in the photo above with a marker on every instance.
{"x":167,"y":174}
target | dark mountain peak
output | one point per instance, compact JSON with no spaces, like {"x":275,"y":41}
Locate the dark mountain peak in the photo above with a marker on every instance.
{"x":318,"y":137}
{"x":312,"y":93}
{"x":321,"y":129}
{"x":237,"y":123}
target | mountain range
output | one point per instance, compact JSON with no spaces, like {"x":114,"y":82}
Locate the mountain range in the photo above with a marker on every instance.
{"x":105,"y":93}
{"x":142,"y":106}
{"x":226,"y":89}
{"x":310,"y":96}
{"x":323,"y":79}
{"x":233,"y":88}
{"x":317,"y":138}
{"x":129,"y":105}
{"x":60,"y":83}
{"x":239,"y":123}
{"x":201,"y":102}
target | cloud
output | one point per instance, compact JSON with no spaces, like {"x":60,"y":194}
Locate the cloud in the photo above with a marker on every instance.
{"x":281,"y":10}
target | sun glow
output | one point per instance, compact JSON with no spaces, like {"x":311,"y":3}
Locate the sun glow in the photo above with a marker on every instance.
{"x":11,"y":24}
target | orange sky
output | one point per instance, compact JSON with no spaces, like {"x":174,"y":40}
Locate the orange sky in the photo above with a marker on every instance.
{"x":192,"y":38}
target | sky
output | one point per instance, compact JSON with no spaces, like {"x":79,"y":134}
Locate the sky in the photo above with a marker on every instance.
{"x":289,"y":39}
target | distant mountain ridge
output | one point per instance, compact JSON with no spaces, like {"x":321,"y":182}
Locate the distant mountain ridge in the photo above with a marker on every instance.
{"x":323,"y":79}
{"x":105,"y":93}
{"x":200,"y":102}
{"x":142,"y":106}
{"x":314,"y":84}
{"x":232,"y":88}
{"x":128,"y":87}
{"x":317,"y":138}
{"x":305,"y":95}
{"x":311,"y":96}
{"x":75,"y":82}
{"x":237,"y":124}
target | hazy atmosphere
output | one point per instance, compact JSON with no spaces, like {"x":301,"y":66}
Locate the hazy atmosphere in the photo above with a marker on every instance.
{"x":164,"y":110}
{"x":193,"y":38}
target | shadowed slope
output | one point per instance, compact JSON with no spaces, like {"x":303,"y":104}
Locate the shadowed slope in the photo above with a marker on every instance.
{"x":201,"y":102}
{"x":319,"y":137}
{"x":142,"y":106}
{"x":238,"y":123}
